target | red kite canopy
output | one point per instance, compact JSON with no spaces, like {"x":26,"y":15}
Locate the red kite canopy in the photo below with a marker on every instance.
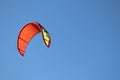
{"x":28,"y":32}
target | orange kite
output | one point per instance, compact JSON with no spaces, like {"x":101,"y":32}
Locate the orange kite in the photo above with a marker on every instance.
{"x":28,"y":32}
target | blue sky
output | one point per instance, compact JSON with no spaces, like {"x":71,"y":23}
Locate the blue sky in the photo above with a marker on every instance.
{"x":85,"y":40}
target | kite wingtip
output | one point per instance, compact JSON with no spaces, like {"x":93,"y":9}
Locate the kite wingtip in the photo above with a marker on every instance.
{"x":22,"y":55}
{"x":48,"y":45}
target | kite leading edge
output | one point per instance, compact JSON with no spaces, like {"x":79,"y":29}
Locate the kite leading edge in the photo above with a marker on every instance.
{"x":28,"y":32}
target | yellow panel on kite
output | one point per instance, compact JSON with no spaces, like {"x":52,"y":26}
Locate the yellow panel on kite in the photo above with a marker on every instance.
{"x":46,"y":37}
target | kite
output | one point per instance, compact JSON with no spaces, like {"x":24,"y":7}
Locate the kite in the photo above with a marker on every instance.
{"x":28,"y":32}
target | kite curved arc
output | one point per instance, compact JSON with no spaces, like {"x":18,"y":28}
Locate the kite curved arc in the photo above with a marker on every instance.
{"x":28,"y":32}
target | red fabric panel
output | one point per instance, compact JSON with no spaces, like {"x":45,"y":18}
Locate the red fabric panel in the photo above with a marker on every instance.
{"x":26,"y":34}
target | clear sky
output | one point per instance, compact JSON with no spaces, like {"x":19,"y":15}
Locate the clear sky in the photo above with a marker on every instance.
{"x":85,"y":40}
